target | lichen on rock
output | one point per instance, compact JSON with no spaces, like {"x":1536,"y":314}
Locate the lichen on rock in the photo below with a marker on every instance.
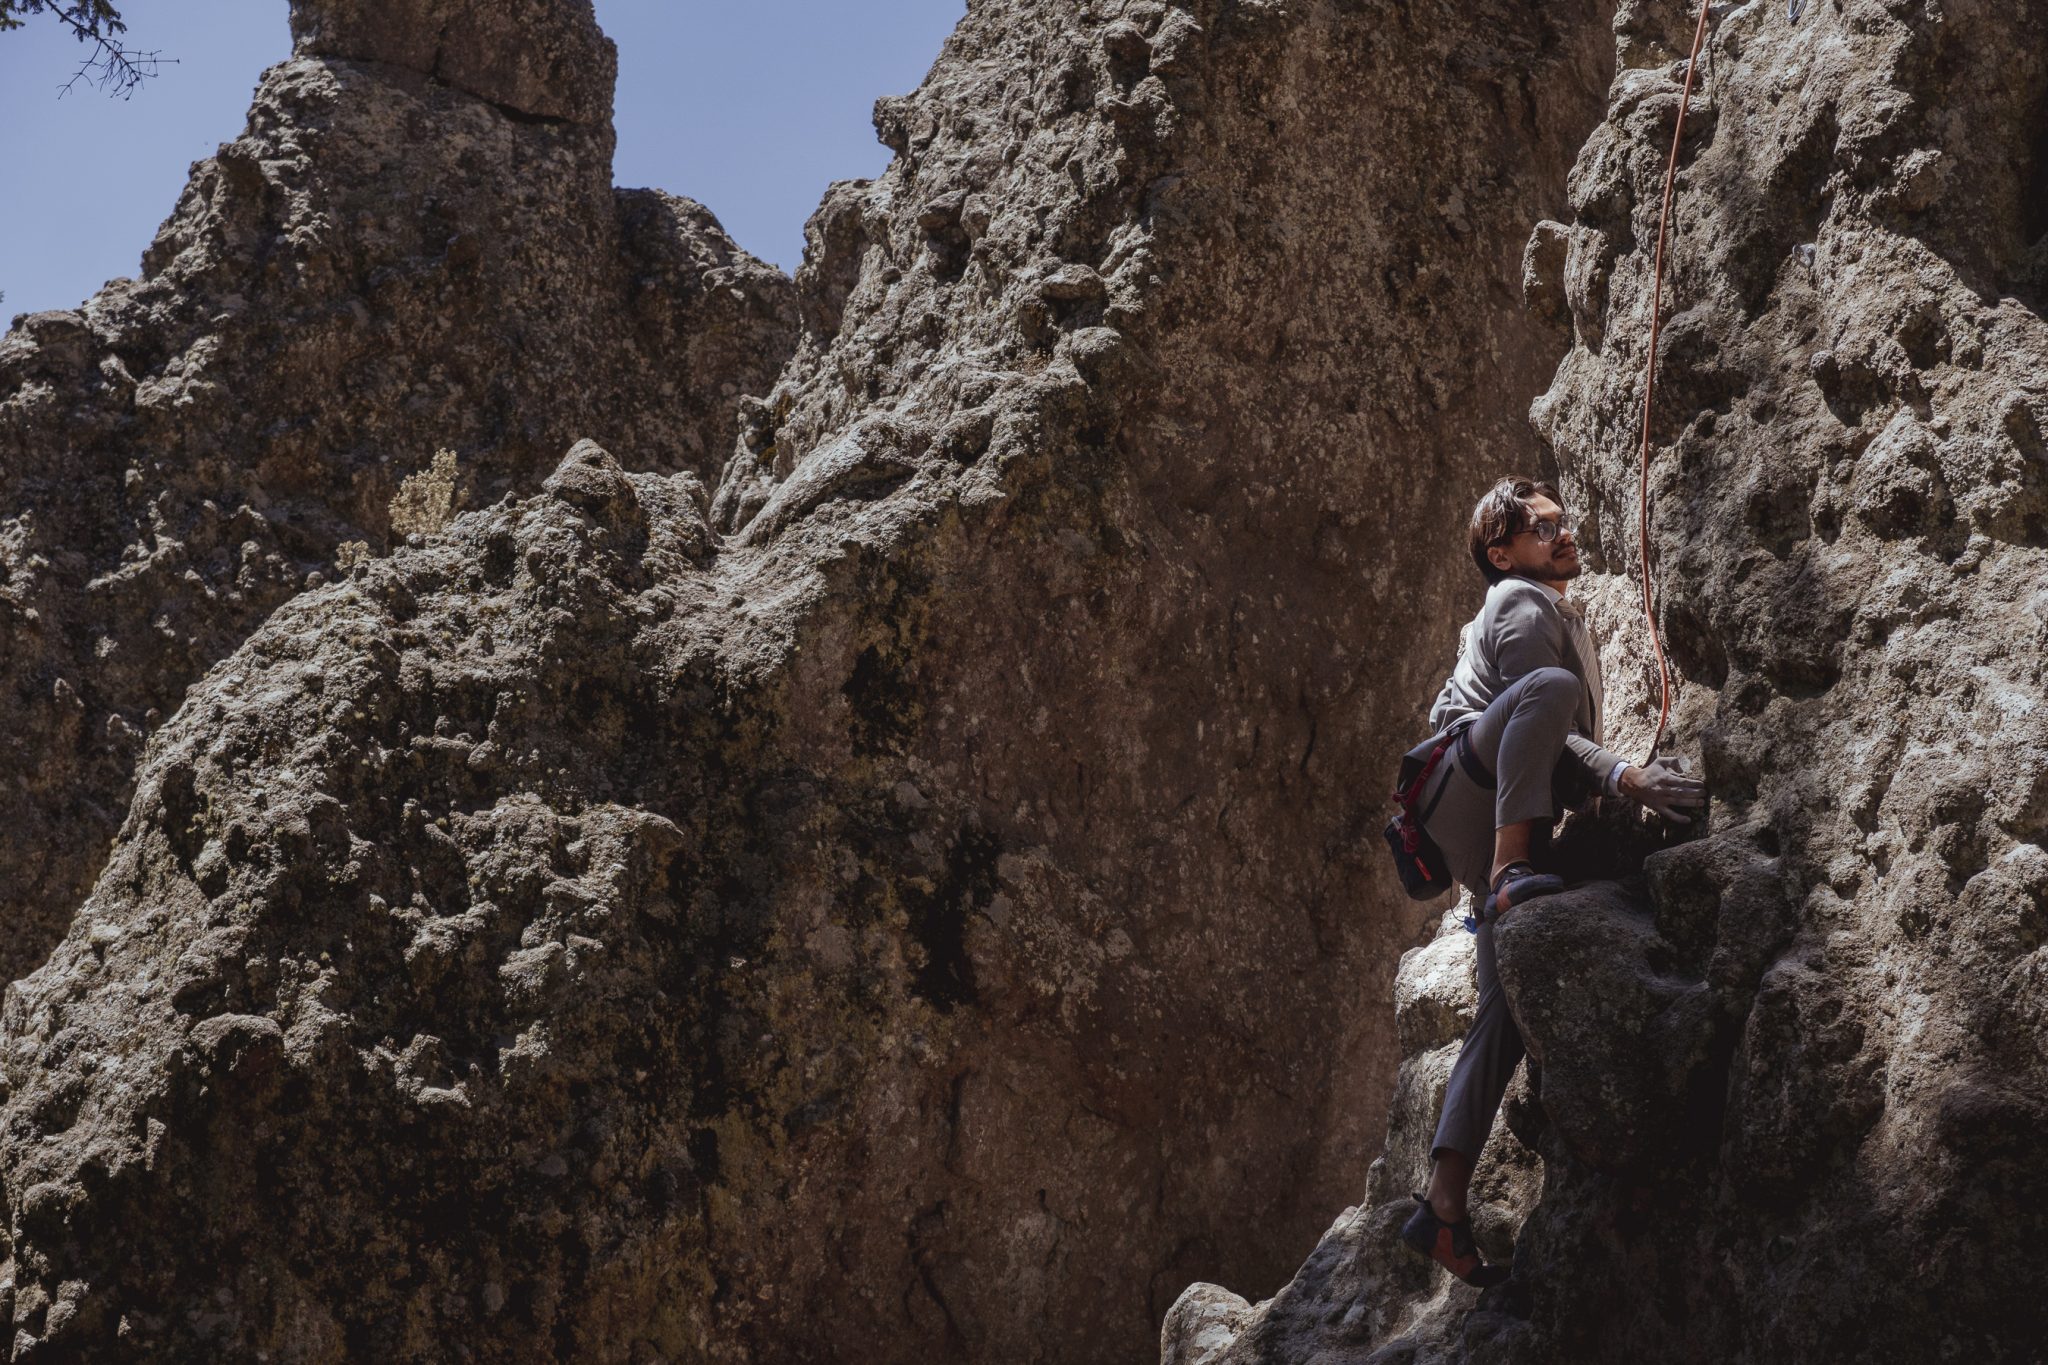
{"x":427,"y":501}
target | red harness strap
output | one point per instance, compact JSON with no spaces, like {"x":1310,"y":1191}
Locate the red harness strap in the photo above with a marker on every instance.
{"x":1406,"y":797}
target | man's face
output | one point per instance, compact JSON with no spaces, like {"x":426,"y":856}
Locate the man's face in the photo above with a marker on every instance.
{"x":1525,"y":553}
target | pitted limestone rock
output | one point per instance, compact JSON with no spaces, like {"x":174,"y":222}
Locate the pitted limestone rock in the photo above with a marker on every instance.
{"x":327,"y":307}
{"x":985,"y":752}
{"x":540,"y":58}
{"x":1785,"y":1067}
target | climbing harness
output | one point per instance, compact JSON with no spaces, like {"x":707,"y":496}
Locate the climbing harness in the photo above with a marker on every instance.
{"x":1650,"y":383}
{"x":1424,"y":873}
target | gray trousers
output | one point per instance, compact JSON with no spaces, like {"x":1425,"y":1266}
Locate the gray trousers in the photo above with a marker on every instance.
{"x":1520,"y":739}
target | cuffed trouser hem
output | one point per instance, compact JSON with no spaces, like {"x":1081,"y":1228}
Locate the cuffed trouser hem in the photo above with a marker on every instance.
{"x":1485,"y":1065}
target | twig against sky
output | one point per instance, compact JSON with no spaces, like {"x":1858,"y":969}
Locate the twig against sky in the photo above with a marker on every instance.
{"x":112,"y":65}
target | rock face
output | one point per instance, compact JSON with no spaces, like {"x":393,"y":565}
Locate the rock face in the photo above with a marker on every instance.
{"x":858,"y":840}
{"x":533,"y":59}
{"x":1783,"y":1076}
{"x":383,"y":265}
{"x":906,"y":890}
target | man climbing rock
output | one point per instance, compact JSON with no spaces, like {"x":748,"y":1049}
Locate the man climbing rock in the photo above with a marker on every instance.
{"x":1524,"y":704}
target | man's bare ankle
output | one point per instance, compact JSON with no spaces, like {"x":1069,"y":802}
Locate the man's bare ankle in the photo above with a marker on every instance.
{"x":1447,"y":1211}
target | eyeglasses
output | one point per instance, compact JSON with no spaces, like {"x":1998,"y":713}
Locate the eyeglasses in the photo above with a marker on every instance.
{"x":1545,"y":531}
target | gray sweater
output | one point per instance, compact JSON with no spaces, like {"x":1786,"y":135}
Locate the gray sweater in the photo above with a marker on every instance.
{"x":1522,"y":627}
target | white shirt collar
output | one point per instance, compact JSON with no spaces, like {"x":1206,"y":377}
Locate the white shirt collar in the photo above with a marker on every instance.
{"x":1563,"y":603}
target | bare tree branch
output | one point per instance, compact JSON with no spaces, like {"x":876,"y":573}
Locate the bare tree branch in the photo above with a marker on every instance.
{"x":115,"y":68}
{"x":112,"y":65}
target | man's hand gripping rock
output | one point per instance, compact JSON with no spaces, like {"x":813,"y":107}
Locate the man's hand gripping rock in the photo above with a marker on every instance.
{"x":1662,"y":786}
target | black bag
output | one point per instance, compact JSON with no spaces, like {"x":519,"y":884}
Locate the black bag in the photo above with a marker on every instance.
{"x":1420,"y":862}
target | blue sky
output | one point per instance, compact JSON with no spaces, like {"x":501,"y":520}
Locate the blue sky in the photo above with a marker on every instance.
{"x":752,"y":108}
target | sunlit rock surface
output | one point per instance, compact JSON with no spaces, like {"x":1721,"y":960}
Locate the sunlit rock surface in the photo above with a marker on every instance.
{"x":383,"y":265}
{"x":872,"y":861}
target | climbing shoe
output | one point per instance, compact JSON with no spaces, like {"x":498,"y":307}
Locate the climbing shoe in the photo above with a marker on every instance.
{"x":1516,"y":883}
{"x":1450,"y":1245}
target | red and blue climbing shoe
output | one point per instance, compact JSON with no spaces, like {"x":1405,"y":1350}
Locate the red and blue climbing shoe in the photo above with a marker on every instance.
{"x":1516,"y":883}
{"x":1450,"y":1245}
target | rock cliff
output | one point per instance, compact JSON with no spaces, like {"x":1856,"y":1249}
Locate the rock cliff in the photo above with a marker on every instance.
{"x":1782,"y":1076}
{"x":414,"y":246}
{"x":866,"y":860}
{"x":842,"y":821}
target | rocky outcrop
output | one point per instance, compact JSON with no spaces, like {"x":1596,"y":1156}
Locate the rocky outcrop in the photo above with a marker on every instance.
{"x":905,"y":891}
{"x":409,"y":249}
{"x":871,"y":852}
{"x":532,"y":59}
{"x":1781,"y":1075}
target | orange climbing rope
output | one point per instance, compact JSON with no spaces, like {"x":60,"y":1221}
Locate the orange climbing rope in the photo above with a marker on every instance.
{"x":1650,"y":381}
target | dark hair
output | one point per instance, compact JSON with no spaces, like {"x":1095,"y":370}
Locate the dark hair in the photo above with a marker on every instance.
{"x":1500,"y":514}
